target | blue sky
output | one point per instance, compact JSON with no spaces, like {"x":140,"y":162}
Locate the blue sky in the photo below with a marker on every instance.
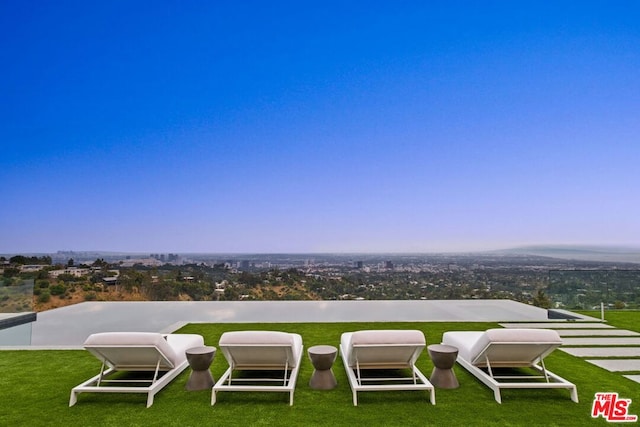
{"x":288,"y":127}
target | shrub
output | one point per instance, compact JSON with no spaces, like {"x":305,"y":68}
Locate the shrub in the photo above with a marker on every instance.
{"x":44,"y":297}
{"x":57,"y":289}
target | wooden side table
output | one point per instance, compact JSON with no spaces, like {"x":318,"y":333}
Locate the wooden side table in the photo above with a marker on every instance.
{"x":443,"y":358}
{"x":322,"y":358}
{"x":200,"y":359}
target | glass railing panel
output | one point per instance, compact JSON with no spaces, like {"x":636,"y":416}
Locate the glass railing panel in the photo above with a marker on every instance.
{"x":16,"y":311}
{"x":588,"y":289}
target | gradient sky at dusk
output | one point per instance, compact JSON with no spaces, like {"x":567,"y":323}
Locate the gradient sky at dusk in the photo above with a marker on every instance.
{"x":176,"y":126}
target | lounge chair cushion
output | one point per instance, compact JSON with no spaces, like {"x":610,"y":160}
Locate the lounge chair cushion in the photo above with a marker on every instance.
{"x":172,"y":346}
{"x":264,"y":338}
{"x":388,"y":337}
{"x":470,"y":344}
{"x":180,"y":343}
{"x":463,"y":341}
{"x":388,"y":344}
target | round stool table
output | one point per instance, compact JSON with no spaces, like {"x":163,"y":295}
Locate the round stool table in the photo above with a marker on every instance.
{"x":322,"y":358}
{"x":443,"y":357}
{"x":200,"y":359}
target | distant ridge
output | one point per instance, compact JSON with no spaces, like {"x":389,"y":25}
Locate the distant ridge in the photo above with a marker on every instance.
{"x":580,"y":252}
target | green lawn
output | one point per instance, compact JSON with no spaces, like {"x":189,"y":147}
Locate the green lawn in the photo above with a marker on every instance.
{"x":35,"y":386}
{"x":623,"y":319}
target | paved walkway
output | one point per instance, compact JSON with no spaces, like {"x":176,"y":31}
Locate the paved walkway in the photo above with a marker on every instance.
{"x":608,"y":341}
{"x":616,"y":350}
{"x":597,"y":333}
{"x":596,"y":324}
{"x":603,"y":351}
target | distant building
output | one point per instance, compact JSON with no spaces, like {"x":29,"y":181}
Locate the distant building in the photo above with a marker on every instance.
{"x":73,"y":271}
{"x":166,"y":258}
{"x":147,"y":262}
{"x":33,"y":267}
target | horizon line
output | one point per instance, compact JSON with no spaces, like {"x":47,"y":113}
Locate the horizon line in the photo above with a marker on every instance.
{"x":537,"y":247}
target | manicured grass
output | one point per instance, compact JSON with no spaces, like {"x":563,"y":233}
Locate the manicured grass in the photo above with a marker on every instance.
{"x":623,"y":319}
{"x":35,"y":386}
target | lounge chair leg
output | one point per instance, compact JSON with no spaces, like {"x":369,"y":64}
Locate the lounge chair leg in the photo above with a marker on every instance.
{"x":213,"y":397}
{"x":149,"y":399}
{"x":496,"y":394}
{"x":355,"y":398}
{"x":73,"y":399}
{"x":574,"y":394}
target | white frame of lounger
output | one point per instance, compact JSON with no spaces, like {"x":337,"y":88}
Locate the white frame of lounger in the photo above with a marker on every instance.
{"x":493,"y":382}
{"x":162,"y":364}
{"x":290,"y":374}
{"x":357,"y":380}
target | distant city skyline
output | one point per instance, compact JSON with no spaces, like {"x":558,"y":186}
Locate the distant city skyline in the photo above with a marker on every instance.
{"x":285,"y":128}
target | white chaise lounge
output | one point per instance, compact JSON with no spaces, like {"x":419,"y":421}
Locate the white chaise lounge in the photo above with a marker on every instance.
{"x":481,"y":353}
{"x":368,"y":350}
{"x":163,"y":355}
{"x":273,"y":351}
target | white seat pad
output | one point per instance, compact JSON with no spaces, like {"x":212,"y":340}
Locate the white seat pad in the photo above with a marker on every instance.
{"x":266,"y":339}
{"x":471,"y":343}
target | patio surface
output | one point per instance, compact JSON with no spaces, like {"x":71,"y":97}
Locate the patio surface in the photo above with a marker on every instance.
{"x":69,"y":326}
